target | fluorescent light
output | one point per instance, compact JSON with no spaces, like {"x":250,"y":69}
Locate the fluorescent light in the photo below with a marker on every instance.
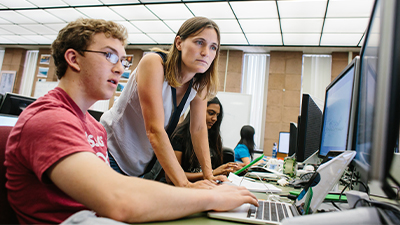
{"x":264,"y":39}
{"x":346,"y":8}
{"x":163,"y":38}
{"x":174,"y":24}
{"x":129,"y":27}
{"x":233,"y":39}
{"x":82,"y":2}
{"x":17,"y":4}
{"x":140,"y":39}
{"x":100,"y":13}
{"x":41,"y":16}
{"x":151,"y":26}
{"x":47,"y":3}
{"x":39,"y":29}
{"x":68,"y":14}
{"x":301,"y":39}
{"x":212,"y":10}
{"x":260,"y":25}
{"x":341,"y":39}
{"x":255,"y":9}
{"x":15,"y":29}
{"x":228,"y":26}
{"x":170,"y":11}
{"x":134,"y":12}
{"x":301,"y":25}
{"x":15,"y":17}
{"x":302,"y":8}
{"x":348,"y":25}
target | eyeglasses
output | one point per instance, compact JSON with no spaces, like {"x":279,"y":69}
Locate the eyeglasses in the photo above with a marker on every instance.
{"x":112,"y":58}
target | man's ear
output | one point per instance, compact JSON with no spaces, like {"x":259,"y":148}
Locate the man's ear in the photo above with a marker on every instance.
{"x":71,"y":58}
{"x":178,"y":43}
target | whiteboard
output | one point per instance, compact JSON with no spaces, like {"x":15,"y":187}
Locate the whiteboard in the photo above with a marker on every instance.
{"x":236,"y":107}
{"x":42,"y":88}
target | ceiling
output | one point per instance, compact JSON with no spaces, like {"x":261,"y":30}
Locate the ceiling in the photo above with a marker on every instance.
{"x":260,"y":23}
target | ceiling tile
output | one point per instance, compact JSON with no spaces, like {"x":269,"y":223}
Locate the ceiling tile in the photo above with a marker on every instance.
{"x":159,"y":1}
{"x":2,"y":31}
{"x":170,"y":11}
{"x":3,"y":21}
{"x":51,"y":37}
{"x":15,"y":17}
{"x":349,"y":25}
{"x":346,"y":8}
{"x":119,"y":1}
{"x":15,"y":29}
{"x":174,"y":24}
{"x":39,"y":29}
{"x":18,"y":39}
{"x":68,"y":14}
{"x":47,"y":3}
{"x":151,"y":26}
{"x":17,"y":4}
{"x":301,"y":25}
{"x":129,"y":27}
{"x":340,"y":39}
{"x":41,"y":16}
{"x":233,"y":39}
{"x":260,"y":25}
{"x":100,"y":13}
{"x":212,"y":10}
{"x":5,"y":40}
{"x":302,"y":8}
{"x":140,"y":39}
{"x":56,"y":26}
{"x":82,"y":2}
{"x":134,"y":12}
{"x":264,"y":39}
{"x":228,"y":26}
{"x":301,"y":39}
{"x":163,"y":38}
{"x":39,"y":39}
{"x":255,"y":9}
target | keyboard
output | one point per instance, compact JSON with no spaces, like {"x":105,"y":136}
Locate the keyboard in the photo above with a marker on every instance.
{"x":270,"y":211}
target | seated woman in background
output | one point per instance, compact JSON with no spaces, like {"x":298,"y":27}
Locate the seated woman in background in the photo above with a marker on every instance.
{"x":182,"y":144}
{"x":244,"y":150}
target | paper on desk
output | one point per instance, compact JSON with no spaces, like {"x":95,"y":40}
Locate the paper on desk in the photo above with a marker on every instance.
{"x":252,"y":185}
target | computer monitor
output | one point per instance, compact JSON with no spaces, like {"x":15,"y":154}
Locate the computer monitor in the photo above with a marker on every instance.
{"x":96,"y":114}
{"x":362,"y":136}
{"x":292,"y":139}
{"x":338,"y":116}
{"x":386,"y":110}
{"x":283,"y":146}
{"x":13,"y":104}
{"x":309,"y":129}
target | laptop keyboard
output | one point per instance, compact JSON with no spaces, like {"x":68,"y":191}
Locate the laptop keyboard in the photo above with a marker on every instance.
{"x":268,"y":211}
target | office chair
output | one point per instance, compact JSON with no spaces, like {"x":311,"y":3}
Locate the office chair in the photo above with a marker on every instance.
{"x":228,"y":155}
{"x":7,"y":214}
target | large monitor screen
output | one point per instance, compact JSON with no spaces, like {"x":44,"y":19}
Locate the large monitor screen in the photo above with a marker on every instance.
{"x":337,"y":111}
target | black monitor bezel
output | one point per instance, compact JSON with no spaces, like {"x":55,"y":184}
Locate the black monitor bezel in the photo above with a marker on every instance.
{"x":8,"y":99}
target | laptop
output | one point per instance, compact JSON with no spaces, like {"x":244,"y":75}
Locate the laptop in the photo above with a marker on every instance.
{"x":308,"y":201}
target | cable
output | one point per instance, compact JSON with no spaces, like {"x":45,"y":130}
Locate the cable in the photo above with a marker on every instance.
{"x":336,"y":206}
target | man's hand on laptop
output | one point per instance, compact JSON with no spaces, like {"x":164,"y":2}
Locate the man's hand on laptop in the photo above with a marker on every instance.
{"x":228,"y":197}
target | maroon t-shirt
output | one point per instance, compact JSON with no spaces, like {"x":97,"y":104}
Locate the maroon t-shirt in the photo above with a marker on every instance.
{"x":49,"y":129}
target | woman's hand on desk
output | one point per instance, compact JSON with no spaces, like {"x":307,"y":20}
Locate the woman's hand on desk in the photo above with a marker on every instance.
{"x":225,"y":169}
{"x":229,"y":197}
{"x":201,"y":184}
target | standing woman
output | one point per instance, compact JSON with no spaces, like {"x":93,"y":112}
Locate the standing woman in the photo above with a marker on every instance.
{"x":137,"y":124}
{"x":244,"y":150}
{"x":182,"y":144}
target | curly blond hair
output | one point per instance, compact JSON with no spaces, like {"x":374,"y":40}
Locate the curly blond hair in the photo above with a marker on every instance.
{"x":78,"y":35}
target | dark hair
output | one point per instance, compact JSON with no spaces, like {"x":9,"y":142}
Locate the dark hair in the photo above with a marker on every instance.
{"x":182,"y":133}
{"x":247,"y":138}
